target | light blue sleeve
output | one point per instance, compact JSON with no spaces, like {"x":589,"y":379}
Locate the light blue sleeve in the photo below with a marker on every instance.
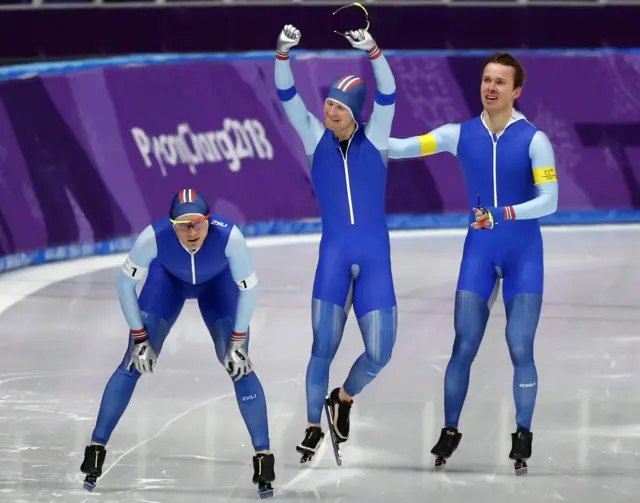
{"x":243,"y":273}
{"x":546,"y":202}
{"x":378,"y":128}
{"x":308,"y":127}
{"x":442,"y":139}
{"x":135,"y":266}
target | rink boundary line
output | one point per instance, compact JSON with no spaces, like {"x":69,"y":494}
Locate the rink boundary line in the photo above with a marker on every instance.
{"x":311,"y":229}
{"x":268,"y":241}
{"x":20,"y":283}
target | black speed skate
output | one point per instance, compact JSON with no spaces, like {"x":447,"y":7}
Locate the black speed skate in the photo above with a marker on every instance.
{"x":310,"y":444}
{"x":521,"y":442}
{"x":338,"y":413}
{"x":94,"y":456}
{"x":264,"y":474}
{"x":446,"y":445}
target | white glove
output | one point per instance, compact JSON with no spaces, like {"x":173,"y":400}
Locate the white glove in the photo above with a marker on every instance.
{"x":143,"y":358}
{"x":237,"y":361}
{"x":360,"y":39}
{"x":289,"y":37}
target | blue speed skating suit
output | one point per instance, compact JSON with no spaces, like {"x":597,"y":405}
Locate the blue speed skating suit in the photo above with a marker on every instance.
{"x":512,"y":176}
{"x":354,"y":266}
{"x":219,"y":274}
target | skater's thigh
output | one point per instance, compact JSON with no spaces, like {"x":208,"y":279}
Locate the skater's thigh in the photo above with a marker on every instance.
{"x":161,"y":294}
{"x":217,"y":302}
{"x":524,"y":272}
{"x":332,"y":280}
{"x":477,"y":271}
{"x":160,"y":304}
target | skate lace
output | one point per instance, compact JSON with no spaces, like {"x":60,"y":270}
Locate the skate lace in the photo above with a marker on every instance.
{"x":448,"y":438}
{"x":311,"y":434}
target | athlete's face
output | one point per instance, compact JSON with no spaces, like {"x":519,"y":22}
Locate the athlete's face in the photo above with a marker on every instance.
{"x":191,"y":230}
{"x":497,"y":89}
{"x":337,"y":117}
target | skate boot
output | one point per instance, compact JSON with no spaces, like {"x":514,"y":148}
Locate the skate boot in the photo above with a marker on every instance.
{"x":310,"y":444}
{"x":263,"y":474}
{"x":340,"y":412}
{"x":521,"y":442}
{"x":94,"y":456}
{"x":446,"y":446}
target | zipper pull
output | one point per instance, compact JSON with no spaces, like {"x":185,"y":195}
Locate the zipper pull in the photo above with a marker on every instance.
{"x":480,"y":207}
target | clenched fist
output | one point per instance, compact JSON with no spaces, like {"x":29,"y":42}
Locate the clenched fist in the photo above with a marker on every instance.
{"x":289,"y":37}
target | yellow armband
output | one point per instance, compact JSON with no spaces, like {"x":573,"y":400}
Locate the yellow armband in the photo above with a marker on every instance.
{"x":427,"y":144}
{"x":544,"y":175}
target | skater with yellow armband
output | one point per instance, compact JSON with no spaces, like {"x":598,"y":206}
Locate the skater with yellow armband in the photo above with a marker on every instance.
{"x":508,"y":165}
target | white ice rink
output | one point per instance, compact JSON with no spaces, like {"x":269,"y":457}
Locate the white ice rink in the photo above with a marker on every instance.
{"x":182,"y":439}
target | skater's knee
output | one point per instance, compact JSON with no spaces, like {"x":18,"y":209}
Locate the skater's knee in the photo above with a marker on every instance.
{"x":521,"y":354}
{"x":465,"y":349}
{"x":379,"y":333}
{"x":128,"y":370}
{"x":378,"y":360}
{"x":321,"y":352}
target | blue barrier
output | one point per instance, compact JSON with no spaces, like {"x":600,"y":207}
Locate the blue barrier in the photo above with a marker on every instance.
{"x":395,"y":222}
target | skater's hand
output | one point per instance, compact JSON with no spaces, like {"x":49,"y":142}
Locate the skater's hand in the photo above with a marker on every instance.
{"x":289,"y":37}
{"x":360,"y":39}
{"x":143,"y":357}
{"x":237,"y":361}
{"x":486,"y":218}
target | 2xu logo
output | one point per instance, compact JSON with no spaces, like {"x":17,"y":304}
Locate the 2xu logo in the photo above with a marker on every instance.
{"x":234,"y":142}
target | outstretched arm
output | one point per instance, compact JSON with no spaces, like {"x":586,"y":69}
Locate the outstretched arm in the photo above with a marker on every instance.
{"x":243,"y":273}
{"x":144,"y":250}
{"x":543,"y":165}
{"x":308,"y":127}
{"x":442,"y":139}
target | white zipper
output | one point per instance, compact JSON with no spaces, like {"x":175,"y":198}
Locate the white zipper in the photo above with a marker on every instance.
{"x":495,"y":170}
{"x":494,"y":140}
{"x":346,"y":176}
{"x":193,"y":267}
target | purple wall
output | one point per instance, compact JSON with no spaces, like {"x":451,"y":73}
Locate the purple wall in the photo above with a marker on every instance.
{"x":91,"y":155}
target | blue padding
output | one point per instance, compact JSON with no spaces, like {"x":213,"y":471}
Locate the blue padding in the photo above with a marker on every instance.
{"x":395,"y":222}
{"x":385,"y":99}
{"x":287,"y":94}
{"x":31,"y":69}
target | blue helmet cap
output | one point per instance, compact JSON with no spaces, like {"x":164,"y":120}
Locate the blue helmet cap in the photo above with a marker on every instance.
{"x":188,"y":201}
{"x":351,"y":92}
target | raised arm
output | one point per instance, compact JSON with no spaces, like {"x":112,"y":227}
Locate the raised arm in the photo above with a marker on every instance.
{"x":308,"y":127}
{"x":543,"y":165}
{"x":241,"y":267}
{"x":135,"y":266}
{"x":378,"y":128}
{"x":442,"y":139}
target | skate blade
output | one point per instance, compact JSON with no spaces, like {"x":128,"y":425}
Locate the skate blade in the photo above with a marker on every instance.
{"x":440,"y":463}
{"x":334,"y":438}
{"x":265,"y":491}
{"x":521,"y":468}
{"x":89,"y":484}
{"x":306,"y":458}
